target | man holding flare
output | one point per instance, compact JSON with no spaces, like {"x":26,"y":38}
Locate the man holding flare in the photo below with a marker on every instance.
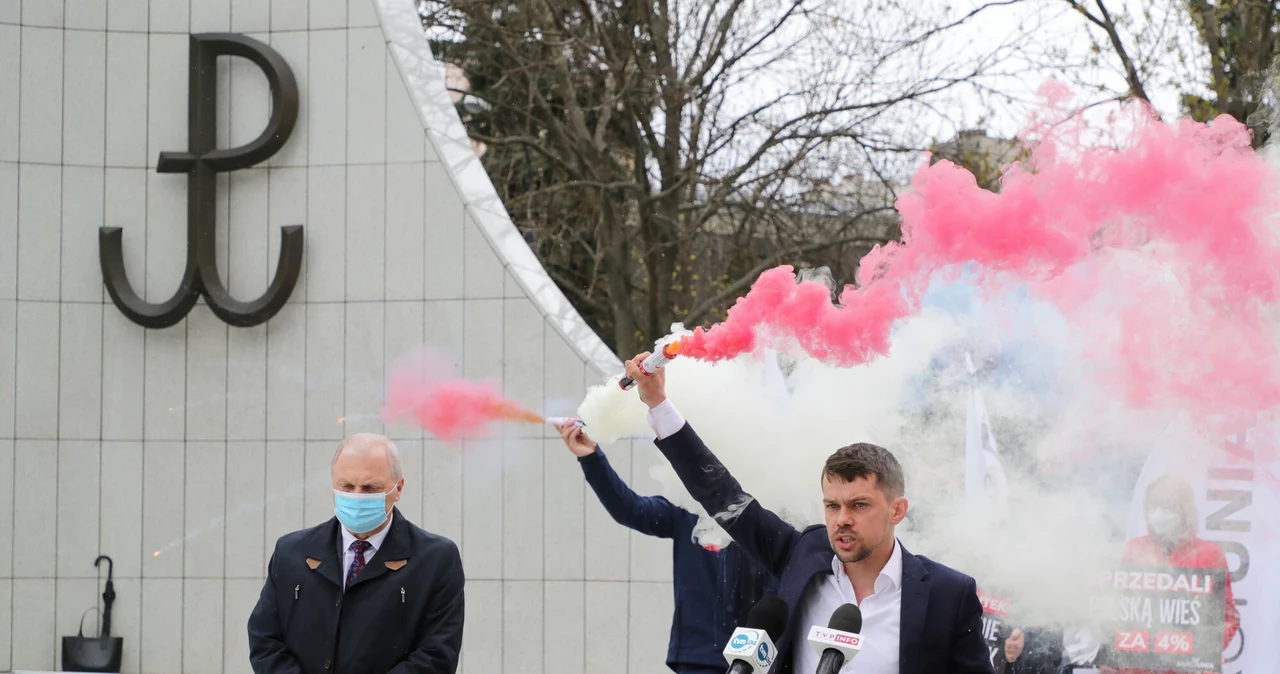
{"x":920,"y":617}
{"x":715,"y":589}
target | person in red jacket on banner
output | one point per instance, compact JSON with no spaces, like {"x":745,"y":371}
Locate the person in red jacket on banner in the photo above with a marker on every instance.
{"x":1172,"y":524}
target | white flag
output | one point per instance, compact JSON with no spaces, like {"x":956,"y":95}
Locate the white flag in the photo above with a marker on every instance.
{"x":985,"y":486}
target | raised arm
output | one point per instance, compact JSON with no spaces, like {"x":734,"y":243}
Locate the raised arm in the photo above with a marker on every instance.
{"x":650,"y":515}
{"x":761,"y":533}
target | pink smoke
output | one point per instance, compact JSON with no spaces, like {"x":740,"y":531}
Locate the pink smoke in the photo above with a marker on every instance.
{"x":1157,"y":252}
{"x":418,"y":389}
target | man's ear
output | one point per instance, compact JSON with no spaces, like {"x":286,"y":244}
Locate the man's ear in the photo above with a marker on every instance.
{"x":900,"y":506}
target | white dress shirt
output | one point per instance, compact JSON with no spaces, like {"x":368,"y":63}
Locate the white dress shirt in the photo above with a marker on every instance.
{"x":881,"y":617}
{"x":349,"y":555}
{"x":665,"y":419}
{"x":881,"y":610}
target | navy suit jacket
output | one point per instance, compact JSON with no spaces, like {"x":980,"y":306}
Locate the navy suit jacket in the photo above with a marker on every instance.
{"x":714,"y":591}
{"x":941,"y":624}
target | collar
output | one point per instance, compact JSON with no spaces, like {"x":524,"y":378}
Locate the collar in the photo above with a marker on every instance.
{"x":891,"y":573}
{"x":323,"y":554}
{"x":375,"y":540}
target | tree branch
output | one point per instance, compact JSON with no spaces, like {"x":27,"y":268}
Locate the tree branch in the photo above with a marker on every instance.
{"x":1108,"y":25}
{"x":695,"y":314}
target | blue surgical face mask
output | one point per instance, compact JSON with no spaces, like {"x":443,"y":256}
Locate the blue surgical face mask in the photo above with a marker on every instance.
{"x":360,"y":513}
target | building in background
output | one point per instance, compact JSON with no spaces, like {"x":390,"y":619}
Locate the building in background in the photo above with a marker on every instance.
{"x":983,"y":155}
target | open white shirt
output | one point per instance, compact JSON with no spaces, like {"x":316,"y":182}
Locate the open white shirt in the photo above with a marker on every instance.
{"x":881,"y":617}
{"x":881,"y":611}
{"x":349,"y":555}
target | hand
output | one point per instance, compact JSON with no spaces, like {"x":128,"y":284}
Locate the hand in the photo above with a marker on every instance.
{"x":576,"y":440}
{"x":1013,"y":646}
{"x":651,"y":387}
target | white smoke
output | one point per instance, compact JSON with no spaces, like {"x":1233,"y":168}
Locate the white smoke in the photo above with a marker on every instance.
{"x":1051,"y":416}
{"x":1070,"y":443}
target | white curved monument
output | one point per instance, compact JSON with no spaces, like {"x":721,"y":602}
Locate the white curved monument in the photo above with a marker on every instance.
{"x":182,"y":440}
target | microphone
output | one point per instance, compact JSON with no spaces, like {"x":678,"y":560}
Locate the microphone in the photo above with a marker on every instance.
{"x":750,"y":650}
{"x":650,"y":365}
{"x":839,"y":641}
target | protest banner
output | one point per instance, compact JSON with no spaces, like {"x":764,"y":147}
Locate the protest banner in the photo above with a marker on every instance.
{"x":1161,"y":618}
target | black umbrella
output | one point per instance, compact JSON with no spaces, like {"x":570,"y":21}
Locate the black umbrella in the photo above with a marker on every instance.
{"x":108,"y":596}
{"x":95,"y":654}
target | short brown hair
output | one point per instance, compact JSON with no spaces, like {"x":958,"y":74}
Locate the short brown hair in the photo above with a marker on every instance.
{"x":864,"y":459}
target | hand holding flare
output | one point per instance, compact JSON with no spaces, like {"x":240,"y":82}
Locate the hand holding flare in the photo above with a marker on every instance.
{"x":653,"y":363}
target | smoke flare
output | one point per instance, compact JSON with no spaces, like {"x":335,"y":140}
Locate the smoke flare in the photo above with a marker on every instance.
{"x":418,"y":389}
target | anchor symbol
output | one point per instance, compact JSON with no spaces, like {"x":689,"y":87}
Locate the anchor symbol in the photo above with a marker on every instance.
{"x":202,"y":162}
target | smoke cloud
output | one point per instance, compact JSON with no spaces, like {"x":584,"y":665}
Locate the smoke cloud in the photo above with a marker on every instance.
{"x":1113,"y":301}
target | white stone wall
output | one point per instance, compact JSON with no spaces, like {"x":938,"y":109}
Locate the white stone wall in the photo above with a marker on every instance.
{"x":205,"y":442}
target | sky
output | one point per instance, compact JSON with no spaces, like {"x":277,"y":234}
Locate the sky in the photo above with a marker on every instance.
{"x":1033,"y":39}
{"x":1061,"y":36}
{"x":1027,"y":43}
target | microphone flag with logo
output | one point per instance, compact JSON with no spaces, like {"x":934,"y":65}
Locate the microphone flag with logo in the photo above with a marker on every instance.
{"x":751,"y":649}
{"x":839,"y":641}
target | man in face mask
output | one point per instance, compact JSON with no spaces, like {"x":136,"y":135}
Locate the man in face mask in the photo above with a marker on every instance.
{"x":367,"y":591}
{"x":1172,"y":524}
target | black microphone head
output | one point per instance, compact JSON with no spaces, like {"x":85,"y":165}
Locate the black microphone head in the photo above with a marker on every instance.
{"x":769,"y":614}
{"x":847,"y":618}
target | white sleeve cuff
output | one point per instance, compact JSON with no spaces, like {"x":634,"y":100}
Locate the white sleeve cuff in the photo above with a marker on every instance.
{"x":665,"y":419}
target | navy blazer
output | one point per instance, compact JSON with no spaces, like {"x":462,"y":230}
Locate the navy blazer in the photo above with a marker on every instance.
{"x":941,"y":624}
{"x":714,"y":591}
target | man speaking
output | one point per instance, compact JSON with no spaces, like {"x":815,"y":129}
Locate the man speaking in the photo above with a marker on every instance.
{"x":366,"y":591}
{"x":919,"y":617}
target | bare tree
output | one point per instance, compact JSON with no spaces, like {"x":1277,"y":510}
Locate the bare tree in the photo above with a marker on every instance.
{"x":1097,"y":13}
{"x":1216,"y":54}
{"x":659,"y":155}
